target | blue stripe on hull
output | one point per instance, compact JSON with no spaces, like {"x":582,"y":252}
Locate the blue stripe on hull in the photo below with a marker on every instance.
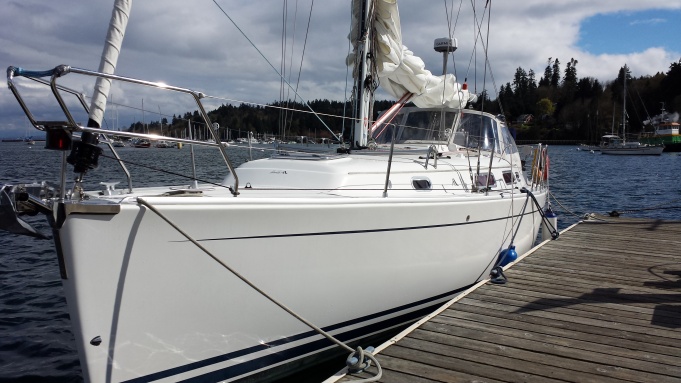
{"x":293,"y":353}
{"x":346,"y":232}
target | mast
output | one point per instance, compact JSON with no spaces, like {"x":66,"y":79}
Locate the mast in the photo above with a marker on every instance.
{"x":624,"y":104}
{"x":85,"y":153}
{"x":612,"y":126}
{"x":363,"y":90}
{"x":160,"y":118}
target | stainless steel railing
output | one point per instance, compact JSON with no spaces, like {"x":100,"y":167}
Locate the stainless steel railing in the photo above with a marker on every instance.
{"x":71,"y":125}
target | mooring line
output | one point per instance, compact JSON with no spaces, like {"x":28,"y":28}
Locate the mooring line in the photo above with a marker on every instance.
{"x":356,"y":360}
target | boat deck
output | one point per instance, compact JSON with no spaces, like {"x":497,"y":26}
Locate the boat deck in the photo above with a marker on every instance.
{"x":600,"y":304}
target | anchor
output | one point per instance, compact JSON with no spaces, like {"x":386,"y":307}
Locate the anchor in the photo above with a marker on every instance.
{"x":9,"y":215}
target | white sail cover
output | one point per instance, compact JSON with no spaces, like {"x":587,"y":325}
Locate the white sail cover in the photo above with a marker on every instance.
{"x":107,"y":64}
{"x":399,"y":71}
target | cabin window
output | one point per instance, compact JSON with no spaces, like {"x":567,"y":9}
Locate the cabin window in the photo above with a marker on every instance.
{"x":384,"y":133}
{"x":485,"y":179}
{"x":508,"y":177}
{"x":477,"y":131}
{"x":509,"y":146}
{"x":415,"y":126}
{"x":421,"y":183}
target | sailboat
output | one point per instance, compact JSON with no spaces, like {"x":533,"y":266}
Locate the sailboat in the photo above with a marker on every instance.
{"x":296,"y":255}
{"x":615,"y":145}
{"x":29,"y":139}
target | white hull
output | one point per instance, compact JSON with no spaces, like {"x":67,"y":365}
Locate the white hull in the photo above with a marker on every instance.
{"x":343,"y":259}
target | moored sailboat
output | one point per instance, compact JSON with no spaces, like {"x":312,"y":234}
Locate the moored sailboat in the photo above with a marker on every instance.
{"x":614,"y":145}
{"x":420,"y":206}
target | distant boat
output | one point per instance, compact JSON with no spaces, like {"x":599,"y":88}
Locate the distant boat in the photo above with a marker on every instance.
{"x":30,"y":141}
{"x":666,"y":131}
{"x":607,"y":141}
{"x":615,"y":145}
{"x":143,"y":143}
{"x":620,"y":146}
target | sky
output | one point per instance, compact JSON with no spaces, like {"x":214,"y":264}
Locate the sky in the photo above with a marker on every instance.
{"x":195,"y":45}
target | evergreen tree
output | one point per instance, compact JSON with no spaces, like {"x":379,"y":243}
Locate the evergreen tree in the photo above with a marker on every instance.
{"x":548,"y":74}
{"x":520,"y":90}
{"x":531,"y":98}
{"x":670,"y":87}
{"x":570,"y":81}
{"x":617,"y":87}
{"x":555,"y":74}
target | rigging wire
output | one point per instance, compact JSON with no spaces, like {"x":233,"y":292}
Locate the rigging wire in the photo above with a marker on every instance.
{"x":302,"y":56}
{"x":347,"y":76}
{"x":488,"y":65}
{"x":273,"y":68}
{"x":633,"y":103}
{"x":282,"y":65}
{"x":294,"y":110}
{"x":450,"y":32}
{"x":473,"y":61}
{"x":290,"y":66}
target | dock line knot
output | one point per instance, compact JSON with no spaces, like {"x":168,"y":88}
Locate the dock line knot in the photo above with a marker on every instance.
{"x":358,"y":361}
{"x":497,"y":276}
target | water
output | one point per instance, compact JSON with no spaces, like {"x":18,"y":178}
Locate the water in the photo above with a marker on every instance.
{"x":36,"y":343}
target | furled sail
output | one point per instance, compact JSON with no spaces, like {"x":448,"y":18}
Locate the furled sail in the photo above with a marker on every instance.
{"x":399,"y":71}
{"x":112,"y":48}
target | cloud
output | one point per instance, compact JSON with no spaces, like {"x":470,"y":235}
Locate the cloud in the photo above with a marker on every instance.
{"x":194,"y":45}
{"x":648,"y":21}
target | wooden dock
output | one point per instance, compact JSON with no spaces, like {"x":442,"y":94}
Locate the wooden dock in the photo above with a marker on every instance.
{"x":600,"y":304}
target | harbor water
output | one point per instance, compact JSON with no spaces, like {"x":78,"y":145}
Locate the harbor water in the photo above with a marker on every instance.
{"x":36,"y":342}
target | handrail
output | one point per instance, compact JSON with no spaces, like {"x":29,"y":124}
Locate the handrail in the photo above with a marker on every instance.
{"x":120,"y":162}
{"x":197,"y":97}
{"x":81,"y":98}
{"x":148,"y":136}
{"x":62,"y":70}
{"x":11,"y":71}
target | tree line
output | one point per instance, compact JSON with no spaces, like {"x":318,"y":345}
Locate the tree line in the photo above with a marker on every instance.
{"x":558,"y":106}
{"x":285,"y":120}
{"x":563,"y":106}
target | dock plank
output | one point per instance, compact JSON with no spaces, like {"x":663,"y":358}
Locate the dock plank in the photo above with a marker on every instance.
{"x":571,"y":336}
{"x":600,"y":304}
